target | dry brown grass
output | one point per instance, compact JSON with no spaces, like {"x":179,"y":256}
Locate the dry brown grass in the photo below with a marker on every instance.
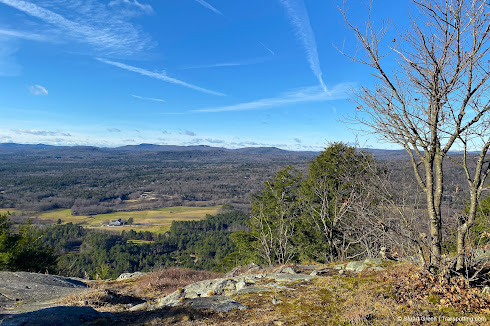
{"x":158,"y":284}
{"x":334,"y":300}
{"x":369,"y":298}
{"x":116,"y":296}
{"x":101,"y":299}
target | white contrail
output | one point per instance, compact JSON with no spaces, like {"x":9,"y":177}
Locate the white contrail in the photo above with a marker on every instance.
{"x":158,"y":76}
{"x":148,"y":98}
{"x":265,"y":47}
{"x":228,"y":64}
{"x":23,"y":35}
{"x":207,"y":5}
{"x":299,"y":17}
{"x":308,"y":94}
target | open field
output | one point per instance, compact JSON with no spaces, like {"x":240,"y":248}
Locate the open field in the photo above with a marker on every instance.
{"x":155,"y":220}
{"x":9,"y":210}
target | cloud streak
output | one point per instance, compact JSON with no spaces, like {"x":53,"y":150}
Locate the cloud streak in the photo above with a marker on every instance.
{"x":309,"y":94}
{"x":38,"y":90}
{"x":208,"y":6}
{"x":265,"y":47}
{"x":228,"y":64}
{"x":41,"y":132}
{"x":299,"y":18}
{"x":91,"y":24}
{"x":8,"y":62}
{"x":148,"y":98}
{"x":22,"y":35}
{"x":132,"y":4}
{"x":159,"y":76}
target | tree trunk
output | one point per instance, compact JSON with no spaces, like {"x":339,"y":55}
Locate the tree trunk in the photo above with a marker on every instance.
{"x":463,"y":228}
{"x":434,"y":173}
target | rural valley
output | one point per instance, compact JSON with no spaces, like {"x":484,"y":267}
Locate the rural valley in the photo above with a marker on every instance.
{"x":229,"y":163}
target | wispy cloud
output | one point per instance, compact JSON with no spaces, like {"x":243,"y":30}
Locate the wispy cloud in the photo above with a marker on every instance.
{"x":113,"y":130}
{"x":265,"y":47}
{"x":22,"y":35}
{"x":189,"y":133}
{"x":309,"y":94}
{"x":41,"y":132}
{"x":132,"y":4}
{"x":8,"y":62}
{"x":159,"y":76}
{"x":214,"y":141}
{"x":91,"y":23}
{"x":38,"y":90}
{"x":227,"y":64}
{"x":148,"y":98}
{"x":207,"y":5}
{"x":299,"y":18}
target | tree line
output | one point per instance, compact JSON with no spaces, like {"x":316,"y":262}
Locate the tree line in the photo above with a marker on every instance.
{"x":73,"y":250}
{"x":346,"y":206}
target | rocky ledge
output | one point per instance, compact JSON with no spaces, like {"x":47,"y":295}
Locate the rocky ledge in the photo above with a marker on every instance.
{"x":24,"y":292}
{"x":30,"y":299}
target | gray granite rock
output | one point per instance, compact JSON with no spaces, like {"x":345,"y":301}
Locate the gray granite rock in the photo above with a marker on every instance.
{"x":356,"y":266}
{"x":218,"y":303}
{"x":286,"y":270}
{"x":320,"y":272}
{"x":56,"y":316}
{"x":290,"y":277}
{"x":23,"y":292}
{"x":125,"y":276}
{"x":229,"y":286}
{"x":339,"y":266}
{"x":145,"y":306}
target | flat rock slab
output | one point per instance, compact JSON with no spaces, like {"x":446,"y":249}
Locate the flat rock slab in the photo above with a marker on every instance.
{"x":217,"y":303}
{"x":23,"y":292}
{"x":56,"y":316}
{"x":290,"y":277}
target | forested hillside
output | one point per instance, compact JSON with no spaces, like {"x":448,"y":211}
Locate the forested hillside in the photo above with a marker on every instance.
{"x":92,"y":180}
{"x":73,"y":250}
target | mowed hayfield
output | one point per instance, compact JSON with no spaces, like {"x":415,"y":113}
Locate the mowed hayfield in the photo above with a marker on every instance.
{"x":9,"y":210}
{"x":155,"y":220}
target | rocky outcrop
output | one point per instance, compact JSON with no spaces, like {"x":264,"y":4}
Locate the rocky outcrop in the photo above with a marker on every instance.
{"x":28,"y":291}
{"x":56,"y":316}
{"x":369,"y":264}
{"x":243,"y":280}
{"x":217,"y":303}
{"x":23,"y":292}
{"x":125,"y":276}
{"x":221,"y":288}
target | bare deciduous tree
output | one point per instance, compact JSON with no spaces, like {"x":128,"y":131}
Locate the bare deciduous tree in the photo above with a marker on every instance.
{"x":431,"y":97}
{"x":274,"y":212}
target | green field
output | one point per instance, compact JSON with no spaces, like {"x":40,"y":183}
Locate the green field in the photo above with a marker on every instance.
{"x":155,"y":220}
{"x":8,"y":210}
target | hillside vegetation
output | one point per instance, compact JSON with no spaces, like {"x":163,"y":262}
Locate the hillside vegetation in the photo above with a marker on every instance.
{"x":342,"y":206}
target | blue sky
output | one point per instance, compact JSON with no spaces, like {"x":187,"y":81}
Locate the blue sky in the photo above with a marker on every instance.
{"x":184,"y":72}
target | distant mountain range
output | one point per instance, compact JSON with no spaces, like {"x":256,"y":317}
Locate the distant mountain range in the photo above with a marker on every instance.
{"x":6,"y":148}
{"x":10,"y":147}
